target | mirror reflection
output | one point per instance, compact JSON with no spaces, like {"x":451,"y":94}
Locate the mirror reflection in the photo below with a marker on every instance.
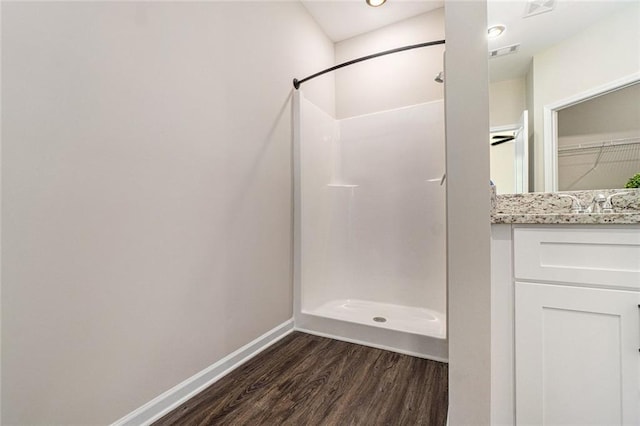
{"x":572,"y":68}
{"x":599,"y":141}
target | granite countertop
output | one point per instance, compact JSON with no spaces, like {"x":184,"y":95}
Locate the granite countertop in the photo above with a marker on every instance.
{"x":543,"y":207}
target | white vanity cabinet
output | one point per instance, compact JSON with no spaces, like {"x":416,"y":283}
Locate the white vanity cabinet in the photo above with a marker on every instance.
{"x":573,"y":297}
{"x":576,"y":355}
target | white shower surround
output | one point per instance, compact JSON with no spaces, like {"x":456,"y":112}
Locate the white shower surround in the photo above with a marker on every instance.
{"x":370,"y":227}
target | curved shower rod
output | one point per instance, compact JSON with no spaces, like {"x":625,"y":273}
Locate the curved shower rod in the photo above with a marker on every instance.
{"x":297,"y":83}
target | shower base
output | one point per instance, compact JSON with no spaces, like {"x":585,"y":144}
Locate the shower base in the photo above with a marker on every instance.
{"x":407,"y":319}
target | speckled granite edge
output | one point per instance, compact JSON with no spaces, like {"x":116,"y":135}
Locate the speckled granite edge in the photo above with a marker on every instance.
{"x":543,"y":207}
{"x":583,"y":218}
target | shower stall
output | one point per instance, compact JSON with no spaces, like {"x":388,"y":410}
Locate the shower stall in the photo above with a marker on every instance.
{"x":370,"y":243}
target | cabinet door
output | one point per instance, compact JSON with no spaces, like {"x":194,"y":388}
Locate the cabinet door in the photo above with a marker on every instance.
{"x":577,"y":359}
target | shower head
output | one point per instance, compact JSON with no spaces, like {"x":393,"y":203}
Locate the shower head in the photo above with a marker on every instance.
{"x":440,"y":77}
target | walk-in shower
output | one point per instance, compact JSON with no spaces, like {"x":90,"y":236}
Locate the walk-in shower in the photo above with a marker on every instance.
{"x":370,"y":241}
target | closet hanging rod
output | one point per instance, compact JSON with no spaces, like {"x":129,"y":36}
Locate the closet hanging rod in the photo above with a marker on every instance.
{"x":297,"y":83}
{"x":597,"y":145}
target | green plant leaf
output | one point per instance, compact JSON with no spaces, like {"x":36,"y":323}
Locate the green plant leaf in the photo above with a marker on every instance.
{"x":634,"y":182}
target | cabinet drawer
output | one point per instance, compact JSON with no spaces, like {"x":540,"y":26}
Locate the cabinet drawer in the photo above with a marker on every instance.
{"x":605,"y":256}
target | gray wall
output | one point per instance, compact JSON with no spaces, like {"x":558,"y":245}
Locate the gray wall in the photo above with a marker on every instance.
{"x":614,"y":115}
{"x":391,"y":81}
{"x":146,"y":182}
{"x":507,"y":100}
{"x":599,"y":55}
{"x":468,"y":205}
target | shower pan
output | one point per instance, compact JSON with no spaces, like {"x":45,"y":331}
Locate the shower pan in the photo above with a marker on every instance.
{"x":369,"y":252}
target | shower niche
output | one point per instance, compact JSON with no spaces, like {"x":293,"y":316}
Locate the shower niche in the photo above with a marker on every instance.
{"x":370,"y":243}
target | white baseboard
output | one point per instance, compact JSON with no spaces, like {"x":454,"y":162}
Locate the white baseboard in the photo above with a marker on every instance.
{"x":163,"y":404}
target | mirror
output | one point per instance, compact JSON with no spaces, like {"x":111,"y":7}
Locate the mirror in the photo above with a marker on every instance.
{"x":590,"y":140}
{"x":553,"y":56}
{"x":598,"y":141}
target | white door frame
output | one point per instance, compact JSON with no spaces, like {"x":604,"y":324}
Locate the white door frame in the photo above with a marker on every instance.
{"x":550,"y":124}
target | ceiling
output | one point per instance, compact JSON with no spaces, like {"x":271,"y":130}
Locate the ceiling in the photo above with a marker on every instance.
{"x":343,"y":19}
{"x":539,"y":32}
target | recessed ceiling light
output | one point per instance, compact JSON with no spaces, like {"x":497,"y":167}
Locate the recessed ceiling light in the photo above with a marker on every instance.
{"x":496,"y":31}
{"x":375,"y":3}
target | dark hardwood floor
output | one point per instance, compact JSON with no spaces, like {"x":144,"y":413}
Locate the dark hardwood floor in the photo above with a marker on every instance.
{"x":310,"y":380}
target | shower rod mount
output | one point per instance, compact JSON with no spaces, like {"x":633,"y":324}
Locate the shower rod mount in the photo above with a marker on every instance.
{"x":297,"y":83}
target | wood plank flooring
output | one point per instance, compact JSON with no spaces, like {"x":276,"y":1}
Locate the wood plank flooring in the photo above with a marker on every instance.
{"x":310,"y":380}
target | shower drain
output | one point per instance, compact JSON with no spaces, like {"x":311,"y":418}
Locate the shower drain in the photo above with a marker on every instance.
{"x":379,"y":319}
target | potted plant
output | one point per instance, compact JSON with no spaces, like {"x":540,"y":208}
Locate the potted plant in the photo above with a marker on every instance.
{"x":634,"y":182}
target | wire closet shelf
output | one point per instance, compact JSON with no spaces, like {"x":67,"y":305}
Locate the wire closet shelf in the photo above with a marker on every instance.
{"x":624,"y":142}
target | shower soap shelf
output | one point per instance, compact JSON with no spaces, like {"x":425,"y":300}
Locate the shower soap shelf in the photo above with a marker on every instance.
{"x":338,"y":185}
